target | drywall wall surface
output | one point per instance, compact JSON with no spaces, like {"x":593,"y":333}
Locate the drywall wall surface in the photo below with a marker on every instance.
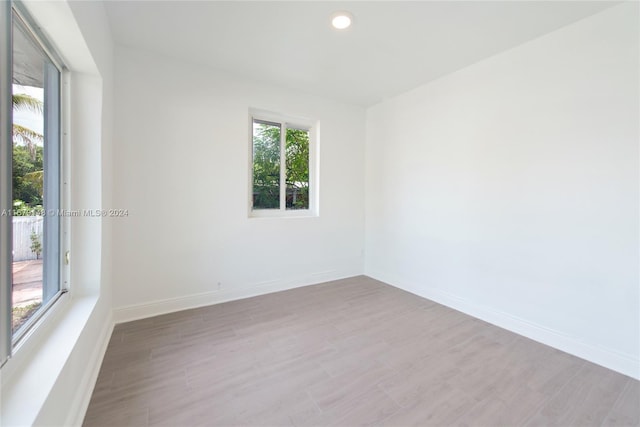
{"x":509,"y":189}
{"x":181,"y":161}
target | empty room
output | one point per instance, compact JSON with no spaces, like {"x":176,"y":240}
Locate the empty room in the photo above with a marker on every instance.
{"x":313,"y":213}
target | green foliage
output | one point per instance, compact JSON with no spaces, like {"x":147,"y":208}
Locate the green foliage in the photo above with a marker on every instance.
{"x":27,"y":137}
{"x":20,"y":208}
{"x":28,"y":175}
{"x":36,"y":245}
{"x":22,"y":101}
{"x":28,"y":154}
{"x":266,"y":167}
{"x":297,"y":161}
{"x":21,"y":134}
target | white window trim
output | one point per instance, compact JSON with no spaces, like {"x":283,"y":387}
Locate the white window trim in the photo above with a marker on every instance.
{"x":286,"y":121}
{"x":6,"y":48}
{"x":35,"y":381}
{"x":15,"y":341}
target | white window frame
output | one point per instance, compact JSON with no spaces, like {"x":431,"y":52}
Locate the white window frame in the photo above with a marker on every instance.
{"x":57,"y":268}
{"x":291,"y":122}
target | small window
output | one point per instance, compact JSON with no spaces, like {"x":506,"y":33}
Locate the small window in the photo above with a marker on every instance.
{"x":282,"y":166}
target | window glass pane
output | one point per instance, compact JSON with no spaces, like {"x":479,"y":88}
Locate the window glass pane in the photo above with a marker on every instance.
{"x":266,"y":165}
{"x":35,"y":177}
{"x":297,"y":160}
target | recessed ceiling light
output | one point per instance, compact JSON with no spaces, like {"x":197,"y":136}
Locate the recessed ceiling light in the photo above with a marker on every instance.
{"x":341,"y":20}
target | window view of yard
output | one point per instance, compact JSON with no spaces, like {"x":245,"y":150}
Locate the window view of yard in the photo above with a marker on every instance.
{"x":35,"y":180}
{"x":267,"y":165}
{"x":27,"y":290}
{"x":28,"y":154}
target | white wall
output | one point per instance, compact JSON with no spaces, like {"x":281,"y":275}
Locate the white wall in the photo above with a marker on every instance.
{"x":181,"y":162}
{"x":91,"y":175}
{"x":509,"y":189}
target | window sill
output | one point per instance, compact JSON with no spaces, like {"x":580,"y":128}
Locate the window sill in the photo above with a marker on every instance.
{"x":30,"y":375}
{"x":278,"y":213}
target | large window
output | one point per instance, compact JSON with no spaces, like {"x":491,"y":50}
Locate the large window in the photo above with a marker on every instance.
{"x":30,"y":178}
{"x":283,"y":166}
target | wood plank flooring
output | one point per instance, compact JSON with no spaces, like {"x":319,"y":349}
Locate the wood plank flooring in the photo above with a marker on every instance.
{"x":350,"y":352}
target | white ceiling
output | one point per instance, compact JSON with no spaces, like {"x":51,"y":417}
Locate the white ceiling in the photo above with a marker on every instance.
{"x":392,"y":47}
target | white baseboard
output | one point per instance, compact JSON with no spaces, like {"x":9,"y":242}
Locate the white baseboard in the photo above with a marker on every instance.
{"x":79,"y":405}
{"x":169,"y":305}
{"x":622,"y":363}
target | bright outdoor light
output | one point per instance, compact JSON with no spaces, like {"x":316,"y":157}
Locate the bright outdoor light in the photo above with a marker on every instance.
{"x":341,"y":20}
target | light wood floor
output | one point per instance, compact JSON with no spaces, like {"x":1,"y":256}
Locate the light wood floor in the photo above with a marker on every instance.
{"x":349,"y":352}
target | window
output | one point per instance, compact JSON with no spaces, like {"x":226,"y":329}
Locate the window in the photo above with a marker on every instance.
{"x":282,"y":166}
{"x":30,"y":173}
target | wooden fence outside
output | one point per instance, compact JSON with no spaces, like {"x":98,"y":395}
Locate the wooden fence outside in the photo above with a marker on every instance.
{"x":23,"y":226}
